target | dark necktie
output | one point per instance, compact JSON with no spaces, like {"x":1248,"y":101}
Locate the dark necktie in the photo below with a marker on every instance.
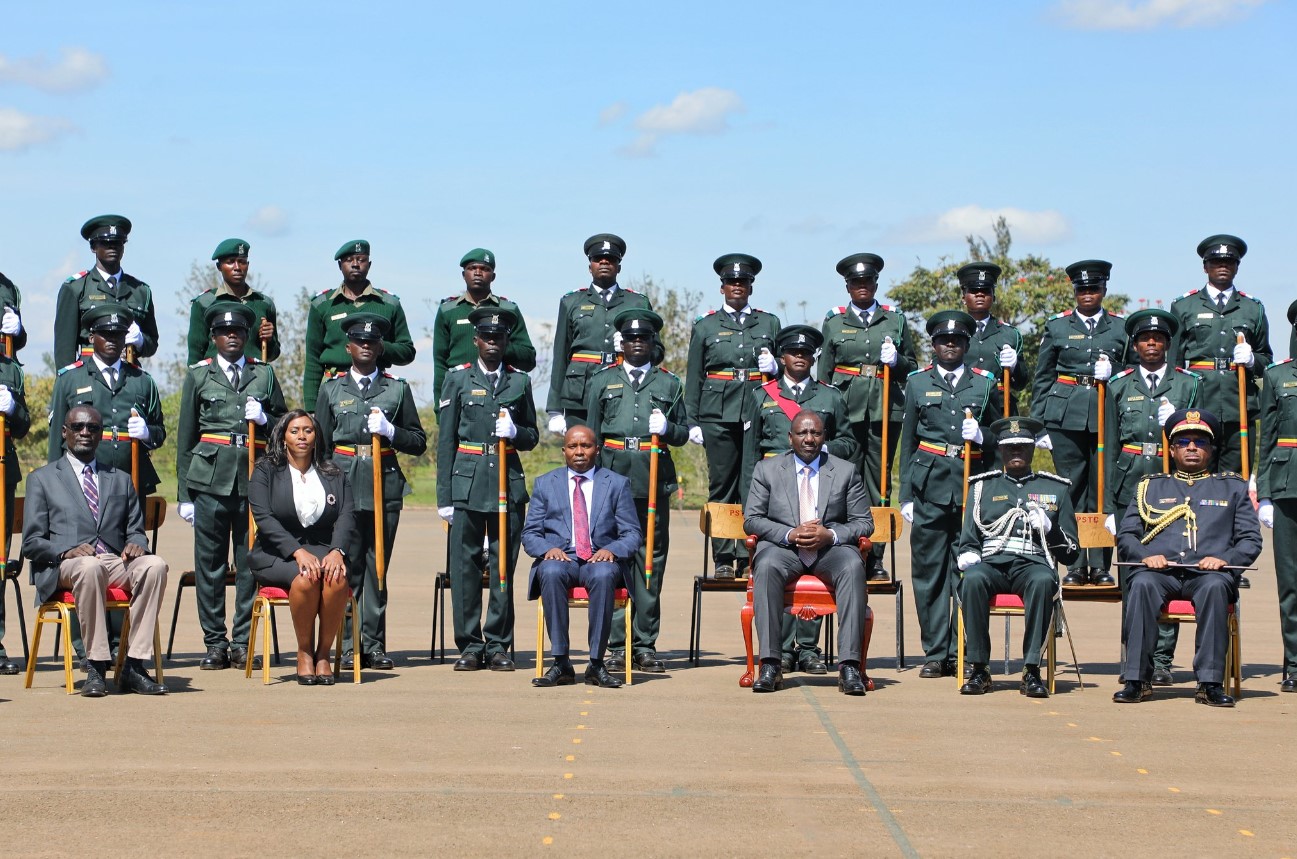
{"x":112,"y":282}
{"x":494,"y":379}
{"x":950,"y":381}
{"x":234,"y":376}
{"x":635,"y":377}
{"x":1220,"y":303}
{"x":1089,"y":324}
{"x":981,"y":328}
{"x":580,"y":521}
{"x":797,"y":390}
{"x":92,"y":500}
{"x":1152,"y":382}
{"x":364,"y":387}
{"x":112,"y":377}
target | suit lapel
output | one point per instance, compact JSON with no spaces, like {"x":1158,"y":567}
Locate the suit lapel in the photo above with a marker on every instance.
{"x":791,"y":466}
{"x":72,"y":482}
{"x":826,"y":487}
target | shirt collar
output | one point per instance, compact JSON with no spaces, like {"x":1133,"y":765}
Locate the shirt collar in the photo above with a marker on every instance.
{"x":814,"y":464}
{"x":788,"y":380}
{"x":589,"y":474}
{"x":1214,"y":294}
{"x":643,"y":368}
{"x":78,"y":466}
{"x":958,"y":371}
{"x":356,"y":377}
{"x":121,"y":273}
{"x":1161,"y":373}
{"x":1096,"y":317}
{"x":225,"y":365}
{"x":102,"y":366}
{"x":863,"y":313}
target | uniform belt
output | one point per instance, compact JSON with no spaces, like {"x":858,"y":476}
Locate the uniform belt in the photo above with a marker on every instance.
{"x":1149,"y":448}
{"x":1082,"y":381}
{"x":736,"y":375}
{"x":1214,"y":364}
{"x":869,"y":371}
{"x":483,"y":449}
{"x":233,"y":439}
{"x":596,"y":357}
{"x":115,"y":434}
{"x":954,"y":451}
{"x":362,"y":451}
{"x":644,"y":444}
{"x":1287,"y":442}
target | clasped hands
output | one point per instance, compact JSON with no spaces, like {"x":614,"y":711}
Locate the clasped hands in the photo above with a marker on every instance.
{"x":1159,"y":562}
{"x":333,"y":566}
{"x":810,"y":535}
{"x":603,"y":556}
{"x":87,"y":550}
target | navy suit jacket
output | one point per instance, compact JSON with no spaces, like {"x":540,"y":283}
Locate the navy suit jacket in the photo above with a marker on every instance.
{"x":613,"y":523}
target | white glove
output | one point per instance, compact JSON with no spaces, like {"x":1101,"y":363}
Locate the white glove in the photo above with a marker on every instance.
{"x":1243,"y":354}
{"x":766,"y":362}
{"x":616,"y":341}
{"x":1266,"y":513}
{"x":887,"y":354}
{"x":1110,"y":524}
{"x":696,"y":435}
{"x":557,"y":424}
{"x":186,"y":511}
{"x":1045,"y":442}
{"x":10,"y":323}
{"x":967,"y":559}
{"x":447,"y":513}
{"x":970,"y":431}
{"x":134,"y":336}
{"x":1008,"y":357}
{"x":907,"y":511}
{"x":1164,"y":412}
{"x":504,"y":427}
{"x":379,"y":424}
{"x":657,"y":422}
{"x":252,"y":411}
{"x":137,"y":427}
{"x":6,"y":401}
{"x":1039,"y":519}
{"x":1102,"y":368}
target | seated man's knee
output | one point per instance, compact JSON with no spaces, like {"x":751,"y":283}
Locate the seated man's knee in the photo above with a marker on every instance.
{"x":86,"y":567}
{"x":603,"y":573}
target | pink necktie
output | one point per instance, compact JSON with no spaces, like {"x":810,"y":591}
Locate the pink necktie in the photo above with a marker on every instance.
{"x":580,"y":521}
{"x":807,"y":504}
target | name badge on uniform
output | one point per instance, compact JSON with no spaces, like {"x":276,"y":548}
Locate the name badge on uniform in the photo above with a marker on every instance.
{"x":87,"y":389}
{"x":477,"y":392}
{"x":769,"y":404}
{"x":342,"y":315}
{"x":98,"y":298}
{"x":850,"y":330}
{"x":1206,"y":316}
{"x":1168,"y":501}
{"x":724,"y":333}
{"x":350,"y":402}
{"x":587,"y":307}
{"x":1136,"y":399}
{"x":464,"y":321}
{"x":1290,"y":384}
{"x":615,"y":387}
{"x":999,"y":498}
{"x":1077,"y":336}
{"x":934,"y":393}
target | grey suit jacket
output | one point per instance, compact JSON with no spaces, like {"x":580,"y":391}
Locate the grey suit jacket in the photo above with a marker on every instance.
{"x":772,"y":507}
{"x":57,"y":518}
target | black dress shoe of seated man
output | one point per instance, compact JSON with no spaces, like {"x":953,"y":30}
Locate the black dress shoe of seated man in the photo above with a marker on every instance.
{"x":850,"y":682}
{"x":556,"y":676}
{"x":769,"y":678}
{"x":1032,"y":686}
{"x":596,"y":674}
{"x":94,"y":686}
{"x":1213,"y":695}
{"x":135,"y":679}
{"x":978,"y":682}
{"x":1132,"y":692}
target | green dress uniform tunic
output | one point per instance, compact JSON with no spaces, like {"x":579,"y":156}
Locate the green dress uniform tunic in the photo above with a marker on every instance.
{"x":11,"y":297}
{"x":583,"y":345}
{"x":1205,"y":344}
{"x":88,"y":289}
{"x":452,"y":339}
{"x":1277,"y":482}
{"x":619,"y":414}
{"x":468,"y":480}
{"x":722,"y":376}
{"x":326,"y":341}
{"x":200,"y":341}
{"x":81,"y":383}
{"x":932,"y":476}
{"x":212,"y":474}
{"x":16,"y":427}
{"x":984,"y":354}
{"x":342,"y":410}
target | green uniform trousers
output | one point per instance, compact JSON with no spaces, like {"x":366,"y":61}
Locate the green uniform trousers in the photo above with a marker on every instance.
{"x":646,"y":597}
{"x":1028,"y":577}
{"x":934,"y":537}
{"x":484,"y":638}
{"x":724,"y":445}
{"x":372,"y":599}
{"x":219,"y":521}
{"x":1285,"y":573}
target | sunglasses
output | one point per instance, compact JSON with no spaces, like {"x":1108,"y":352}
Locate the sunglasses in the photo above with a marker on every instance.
{"x":83,"y":426}
{"x":1190,"y":442}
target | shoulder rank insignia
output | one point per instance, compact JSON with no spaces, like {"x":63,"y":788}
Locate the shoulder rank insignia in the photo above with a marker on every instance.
{"x":387,"y":375}
{"x":460,"y":367}
{"x":986,"y":374}
{"x":1052,"y":476}
{"x":1062,"y":315}
{"x":71,"y":366}
{"x":1124,"y":373}
{"x":202,"y":363}
{"x":835,"y":311}
{"x":1198,"y":376}
{"x":1275,"y":364}
{"x":703,"y":316}
{"x":77,"y":276}
{"x":974,"y":478}
{"x":920,"y":370}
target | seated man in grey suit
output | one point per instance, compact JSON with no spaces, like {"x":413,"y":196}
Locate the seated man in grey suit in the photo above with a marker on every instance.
{"x":83,"y":529}
{"x":808,"y":509}
{"x":581,"y":527}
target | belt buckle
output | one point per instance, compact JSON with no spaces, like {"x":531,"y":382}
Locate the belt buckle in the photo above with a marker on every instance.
{"x":115,"y":436}
{"x":1150,"y":448}
{"x":1085,"y":381}
{"x":489,"y":449}
{"x":632,"y":444}
{"x":1222,"y":363}
{"x":954,"y":450}
{"x":239,"y":439}
{"x":868,"y":371}
{"x":608,"y":357}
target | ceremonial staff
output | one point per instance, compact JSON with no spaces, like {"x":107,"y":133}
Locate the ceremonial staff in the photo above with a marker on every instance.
{"x":1005,"y":373}
{"x":135,"y":456}
{"x":1242,"y":413}
{"x":1098,"y":478}
{"x":502,"y":446}
{"x":884,"y":487}
{"x":1166,"y":449}
{"x":652,"y":509}
{"x":263,"y":350}
{"x":376,"y":454}
{"x":968,"y":460}
{"x":4,"y":475}
{"x":252,"y":461}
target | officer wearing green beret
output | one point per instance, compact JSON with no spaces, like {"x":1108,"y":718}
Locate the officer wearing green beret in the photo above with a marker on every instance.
{"x":13,"y":406}
{"x":585,"y":340}
{"x":231,"y":258}
{"x":730,"y":356}
{"x":1079,"y":349}
{"x":453,"y":333}
{"x":934,"y":432}
{"x":106,"y":283}
{"x":767,"y":424}
{"x":326,"y":343}
{"x":1211,"y":318}
{"x":1276,"y":488}
{"x":353,"y":407}
{"x":484,"y":403}
{"x":996,"y":346}
{"x":11,"y":324}
{"x":626,"y":406}
{"x":220,"y":397}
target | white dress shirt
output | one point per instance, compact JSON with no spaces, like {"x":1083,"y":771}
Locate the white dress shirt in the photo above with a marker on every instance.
{"x":308,"y":495}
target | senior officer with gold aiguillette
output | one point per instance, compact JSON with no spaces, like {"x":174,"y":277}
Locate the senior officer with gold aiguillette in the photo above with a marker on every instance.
{"x":1276,"y":488}
{"x":221,"y":396}
{"x":105,"y":283}
{"x":484,"y":404}
{"x":326,"y":342}
{"x":353,"y":407}
{"x":1080,"y":348}
{"x":231,"y":257}
{"x":729,"y":351}
{"x":996,"y":346}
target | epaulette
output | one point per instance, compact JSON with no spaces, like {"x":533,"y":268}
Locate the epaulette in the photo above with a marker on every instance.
{"x":1274,"y":364}
{"x":387,"y":375}
{"x":1124,"y":373}
{"x":202,"y":363}
{"x":250,"y":360}
{"x":455,"y":297}
{"x":196,"y":298}
{"x":322,"y":294}
{"x":973,"y":478}
{"x":662,"y":369}
{"x":71,"y":366}
{"x":575,"y":291}
{"x":460,"y":367}
{"x":702,"y":316}
{"x":1115,"y":315}
{"x":1062,"y":315}
{"x":1198,"y":376}
{"x":890,"y":308}
{"x":986,"y":373}
{"x":1234,"y":475}
{"x":920,"y":370}
{"x":1190,"y":293}
{"x":386,"y":292}
{"x":1243,"y":294}
{"x":77,"y":276}
{"x":624,"y":289}
{"x":513,"y":369}
{"x":835,"y":311}
{"x":337,"y":374}
{"x":1052,"y":476}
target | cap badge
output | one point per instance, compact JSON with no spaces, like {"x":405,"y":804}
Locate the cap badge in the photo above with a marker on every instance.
{"x":1192,"y":417}
{"x":1224,"y":249}
{"x":240,"y":250}
{"x":358,"y":248}
{"x":860,"y":267}
{"x":495,"y":320}
{"x":1013,"y":427}
{"x":981,"y":276}
{"x":486,"y":257}
{"x":607,"y":246}
{"x":112,"y":231}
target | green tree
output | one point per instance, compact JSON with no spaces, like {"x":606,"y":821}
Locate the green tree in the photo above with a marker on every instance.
{"x":678,"y":309}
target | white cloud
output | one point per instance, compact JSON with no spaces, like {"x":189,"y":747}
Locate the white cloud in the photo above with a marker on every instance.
{"x":955,"y":224}
{"x":613,"y":112}
{"x":1148,"y":14}
{"x":703,"y":111}
{"x":76,"y":69}
{"x":19,"y":130}
{"x":269,"y":220}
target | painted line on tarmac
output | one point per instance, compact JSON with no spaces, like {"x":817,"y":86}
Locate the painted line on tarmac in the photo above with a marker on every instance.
{"x":862,"y":781}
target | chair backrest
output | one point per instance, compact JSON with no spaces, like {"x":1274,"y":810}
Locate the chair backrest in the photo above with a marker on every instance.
{"x":14,"y":562}
{"x":155,"y":513}
{"x":888,"y":524}
{"x":719,"y":521}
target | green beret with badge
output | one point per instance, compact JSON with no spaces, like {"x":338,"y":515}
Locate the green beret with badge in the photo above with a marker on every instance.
{"x":860,"y":266}
{"x":478,"y":255}
{"x":231,"y":248}
{"x":1152,"y":319}
{"x":229,"y":314}
{"x":493,"y":320}
{"x":737,"y":267}
{"x":351,"y":248}
{"x":1222,"y":246}
{"x":106,"y":228}
{"x":605,"y":245}
{"x":366,"y":326}
{"x":108,"y":317}
{"x":951,"y":322}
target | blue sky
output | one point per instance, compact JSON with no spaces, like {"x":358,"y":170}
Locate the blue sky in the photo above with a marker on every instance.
{"x":1121,"y":129}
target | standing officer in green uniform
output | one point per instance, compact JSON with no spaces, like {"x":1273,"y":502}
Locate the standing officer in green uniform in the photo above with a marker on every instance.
{"x":11,"y":324}
{"x":1079,"y":349}
{"x":1276,"y":488}
{"x":585,"y":340}
{"x":353,"y":407}
{"x":104,"y":284}
{"x":13,"y":407}
{"x":860,"y":339}
{"x":1017,"y":524}
{"x":995,"y":346}
{"x":626,"y":406}
{"x":220,"y":397}
{"x":933,"y":434}
{"x":484,"y":404}
{"x":767,"y":427}
{"x":326,"y":344}
{"x":231,"y":258}
{"x":453,"y":333}
{"x":730,"y":355}
{"x":1211,"y":318}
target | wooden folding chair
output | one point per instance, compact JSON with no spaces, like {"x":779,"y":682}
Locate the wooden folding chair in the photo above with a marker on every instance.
{"x":1182,"y":611}
{"x":263,"y":614}
{"x":717,"y":521}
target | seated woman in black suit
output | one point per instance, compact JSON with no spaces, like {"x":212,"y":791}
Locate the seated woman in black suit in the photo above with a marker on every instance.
{"x":305,"y":530}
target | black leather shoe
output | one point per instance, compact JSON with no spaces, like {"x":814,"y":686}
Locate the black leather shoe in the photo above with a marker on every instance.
{"x":326,"y":679}
{"x":1213,"y":695}
{"x":811,"y":662}
{"x":1243,"y":582}
{"x":1075,"y":577}
{"x":94,"y":687}
{"x":500,"y":662}
{"x":1132,"y":692}
{"x":948,"y":668}
{"x":724,"y":571}
{"x":648,"y":662}
{"x":1032,"y":686}
{"x":139,"y":682}
{"x":787,"y":664}
{"x":239,"y":658}
{"x":769,"y":679}
{"x":215,"y":660}
{"x":849,"y":680}
{"x":880,"y":574}
{"x":615,"y":661}
{"x":1102,"y":577}
{"x":378,"y":660}
{"x":1163,"y":677}
{"x":467,"y":662}
{"x":307,"y":679}
{"x":978,"y":683}
{"x":8,"y":666}
{"x":597,"y":675}
{"x":1289,"y":685}
{"x":556,"y":676}
{"x":348,"y":660}
{"x":930,"y":669}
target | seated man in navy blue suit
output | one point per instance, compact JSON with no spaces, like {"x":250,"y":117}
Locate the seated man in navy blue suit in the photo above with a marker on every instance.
{"x":581,"y":527}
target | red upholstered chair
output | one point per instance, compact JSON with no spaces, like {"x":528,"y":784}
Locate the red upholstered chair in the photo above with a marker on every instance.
{"x":1181,"y":611}
{"x":58,"y":611}
{"x":807,"y":597}
{"x":1007,"y":606}
{"x":262,"y":615}
{"x":580,"y":598}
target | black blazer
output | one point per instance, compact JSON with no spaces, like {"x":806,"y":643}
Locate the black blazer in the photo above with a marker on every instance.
{"x":280,"y":534}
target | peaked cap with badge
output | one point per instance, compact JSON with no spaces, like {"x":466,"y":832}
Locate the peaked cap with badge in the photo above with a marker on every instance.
{"x":951,"y":322}
{"x":978,"y":275}
{"x":859,"y":266}
{"x":229,"y":314}
{"x":605,"y":245}
{"x":108,"y":317}
{"x":1222,"y":246}
{"x":798,"y":337}
{"x":1151,"y":319}
{"x":106,"y":228}
{"x":737,"y":267}
{"x":366,"y":326}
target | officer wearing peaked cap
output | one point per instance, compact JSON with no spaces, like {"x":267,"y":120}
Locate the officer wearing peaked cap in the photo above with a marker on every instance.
{"x":326,"y":341}
{"x":13,"y":406}
{"x":231,"y":257}
{"x":452,"y":332}
{"x":730,"y":356}
{"x":11,"y":324}
{"x":995,"y":346}
{"x":1277,"y":491}
{"x":105,"y":283}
